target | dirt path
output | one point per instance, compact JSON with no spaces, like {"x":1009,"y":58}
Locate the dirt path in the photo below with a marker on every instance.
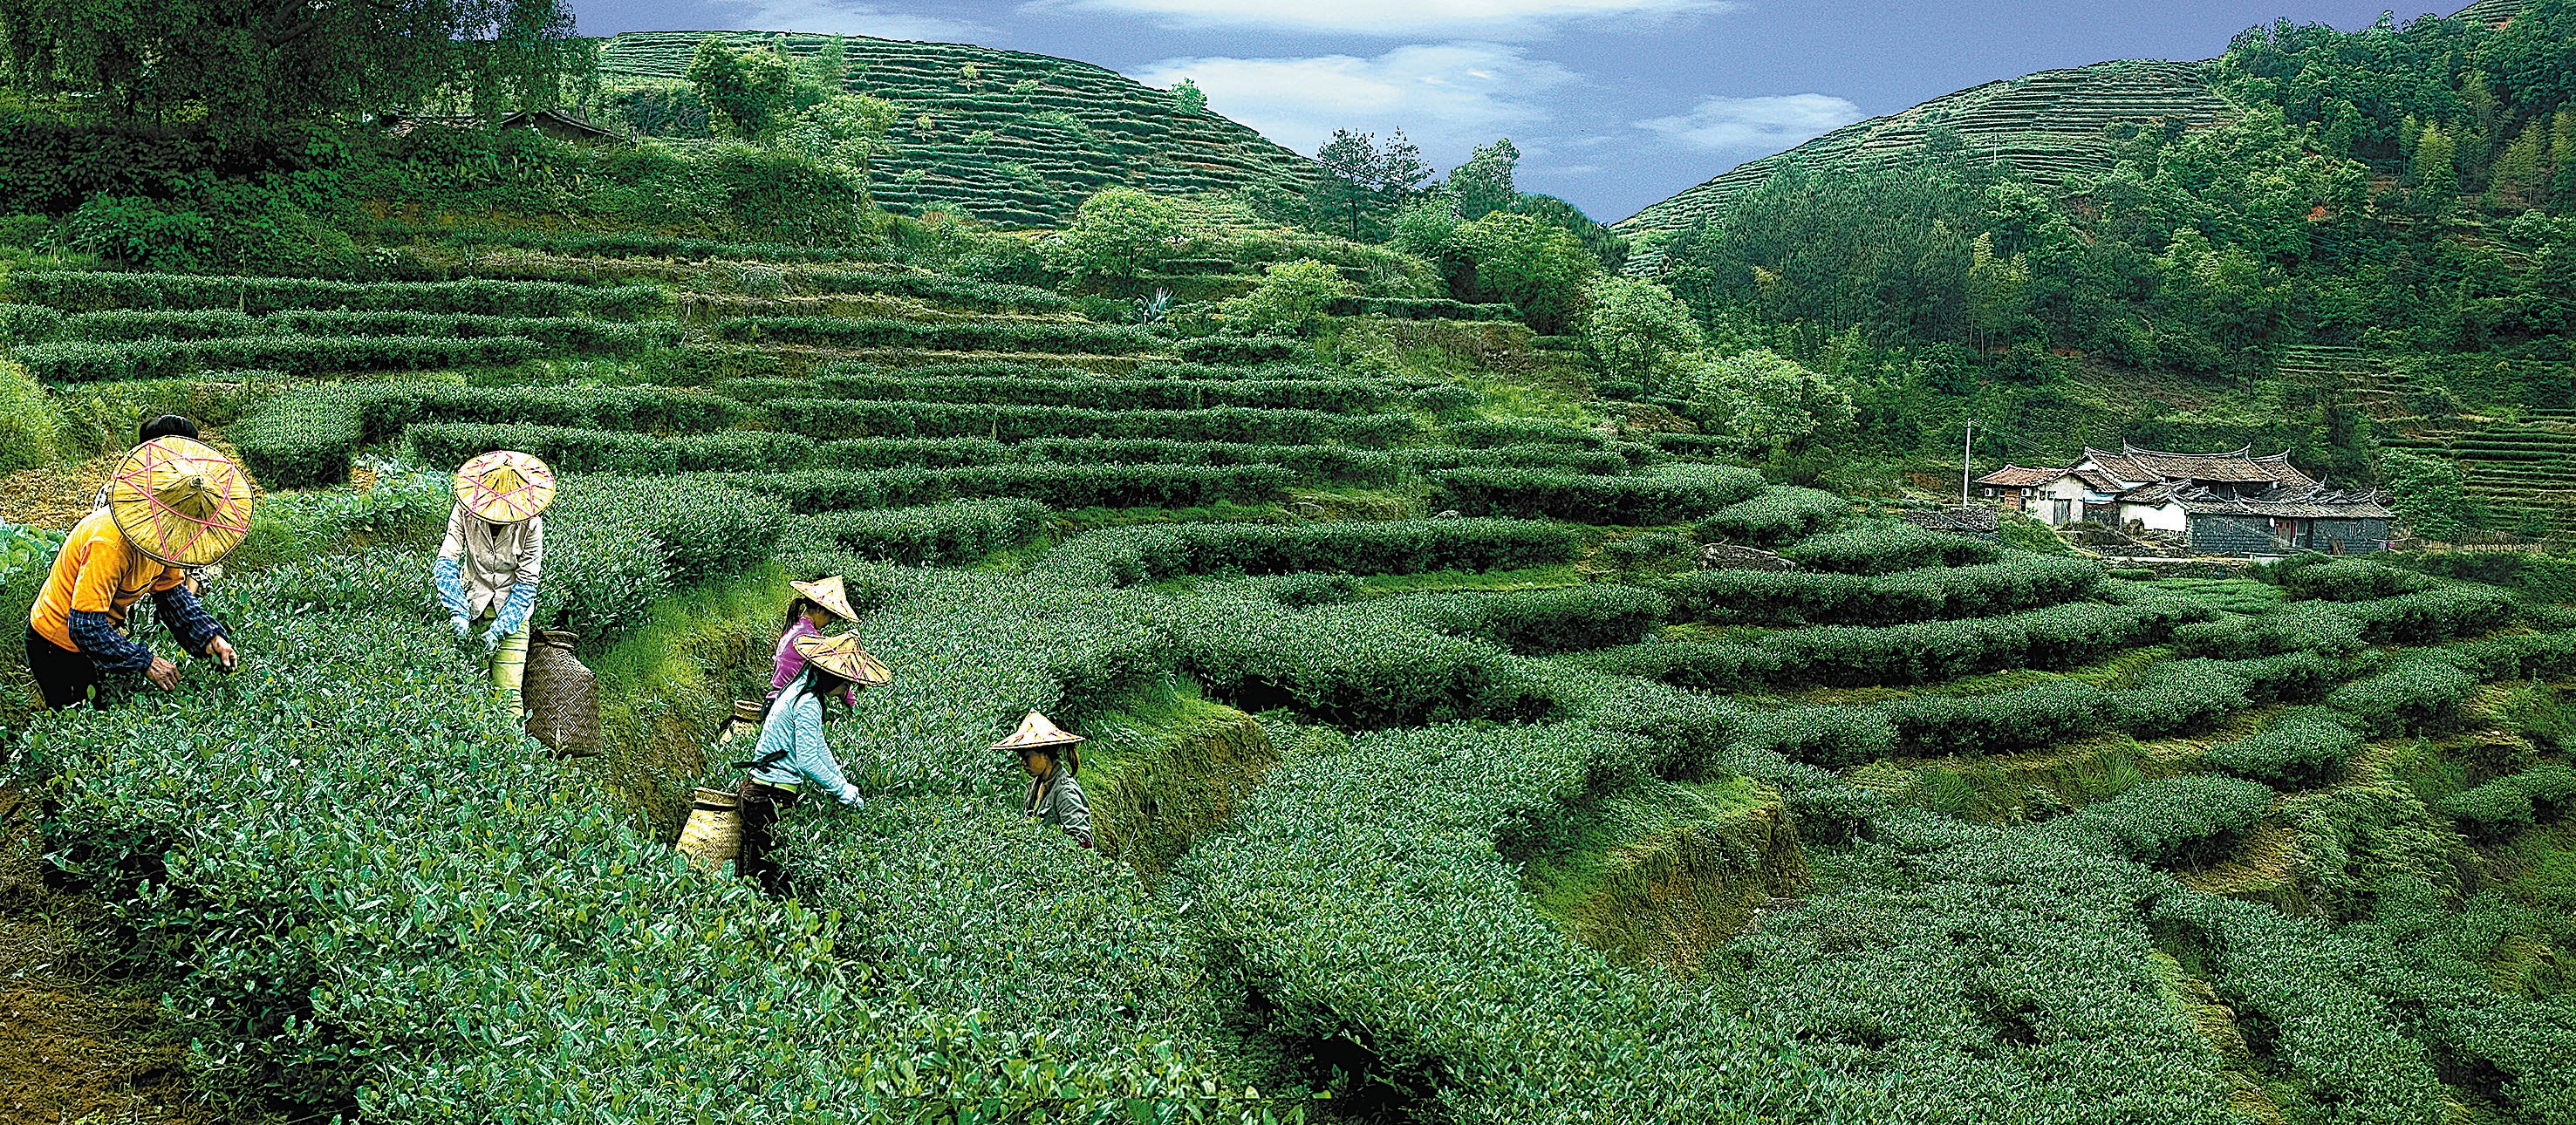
{"x":74,"y":1046}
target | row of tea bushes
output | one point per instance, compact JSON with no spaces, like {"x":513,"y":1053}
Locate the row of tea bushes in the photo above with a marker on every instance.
{"x":1780,"y":514}
{"x":1885,"y":548}
{"x":309,"y":436}
{"x":2498,"y":810}
{"x":81,"y":361}
{"x":2193,"y":819}
{"x":2055,"y":638}
{"x":564,"y":333}
{"x":1081,"y":337}
{"x":1775,"y":597}
{"x":1343,"y":396}
{"x":960,"y":531}
{"x":475,"y":927}
{"x":578,"y":450}
{"x":1130,"y":555}
{"x":1543,"y":622}
{"x":1672,"y":493}
{"x":86,"y":290}
{"x":1057,"y":486}
{"x":843,"y":418}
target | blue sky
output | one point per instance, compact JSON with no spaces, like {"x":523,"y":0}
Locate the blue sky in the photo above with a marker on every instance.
{"x":1614,"y":103}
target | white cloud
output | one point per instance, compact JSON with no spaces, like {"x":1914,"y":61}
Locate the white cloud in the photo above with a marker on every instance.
{"x":1480,"y":18}
{"x":1775,"y":122}
{"x":1448,"y":97}
{"x":830,"y":17}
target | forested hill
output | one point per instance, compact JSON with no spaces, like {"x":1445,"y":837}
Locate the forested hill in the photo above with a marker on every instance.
{"x":2046,"y":124}
{"x":1003,"y":136}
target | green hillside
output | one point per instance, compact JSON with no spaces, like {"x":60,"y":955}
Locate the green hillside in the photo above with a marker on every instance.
{"x":2047,"y":125}
{"x":1023,"y":140}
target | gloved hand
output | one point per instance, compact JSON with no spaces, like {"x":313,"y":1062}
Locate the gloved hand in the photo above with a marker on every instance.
{"x":850,"y":796}
{"x":463,"y":627}
{"x":491,"y":640}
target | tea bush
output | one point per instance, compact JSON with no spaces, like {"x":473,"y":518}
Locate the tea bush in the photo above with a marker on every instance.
{"x":957,"y":335}
{"x":2185,"y":820}
{"x":838,"y":418}
{"x":1561,"y":458}
{"x":2303,"y":748}
{"x":2417,"y":693}
{"x":1933,"y":593}
{"x":708,"y":529}
{"x":1340,"y":396}
{"x":2352,"y":580}
{"x":1349,"y":665}
{"x":2178,"y":698}
{"x":1542,"y":622}
{"x":1375,"y":547}
{"x":82,"y":290}
{"x":1781,"y":513}
{"x":1997,"y":723}
{"x":83,"y":361}
{"x":2061,"y":637}
{"x":2432,"y":616}
{"x":956,"y":532}
{"x":2500,"y":809}
{"x":571,"y":449}
{"x":1059,"y":486}
{"x":2320,"y":627}
{"x":1888,"y":547}
{"x":308,"y":436}
{"x":1669,"y":494}
{"x":562,"y":333}
{"x":1244,"y":351}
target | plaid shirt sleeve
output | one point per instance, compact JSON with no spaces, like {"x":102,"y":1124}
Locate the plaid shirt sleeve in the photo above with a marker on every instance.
{"x":188,"y":619}
{"x":107,"y":646}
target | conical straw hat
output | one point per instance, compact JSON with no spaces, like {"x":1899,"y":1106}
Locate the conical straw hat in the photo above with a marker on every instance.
{"x":842,"y":656}
{"x":505,"y":486}
{"x":1037,"y":732}
{"x":830,"y":594}
{"x":181,"y":502}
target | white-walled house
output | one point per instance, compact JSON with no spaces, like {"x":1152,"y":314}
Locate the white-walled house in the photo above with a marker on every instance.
{"x":2229,"y":503}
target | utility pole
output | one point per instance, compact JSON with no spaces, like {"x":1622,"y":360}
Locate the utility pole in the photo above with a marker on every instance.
{"x":1967,"y":450}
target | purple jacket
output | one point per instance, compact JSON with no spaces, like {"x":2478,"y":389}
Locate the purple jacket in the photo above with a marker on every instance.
{"x":789,"y":662}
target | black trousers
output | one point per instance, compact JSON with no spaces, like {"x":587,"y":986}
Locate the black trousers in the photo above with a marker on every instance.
{"x":761,"y":805}
{"x":63,"y":678}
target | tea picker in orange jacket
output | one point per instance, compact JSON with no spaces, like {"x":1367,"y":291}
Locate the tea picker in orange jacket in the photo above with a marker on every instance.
{"x":173,"y":505}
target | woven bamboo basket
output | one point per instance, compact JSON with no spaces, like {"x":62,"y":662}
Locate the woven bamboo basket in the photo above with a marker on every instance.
{"x":713,"y":835}
{"x":562,"y":697}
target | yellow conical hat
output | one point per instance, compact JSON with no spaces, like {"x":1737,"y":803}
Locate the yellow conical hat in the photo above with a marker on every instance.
{"x":830,"y":594}
{"x":181,"y":502}
{"x":505,"y":486}
{"x":1037,"y":732}
{"x":842,"y":656}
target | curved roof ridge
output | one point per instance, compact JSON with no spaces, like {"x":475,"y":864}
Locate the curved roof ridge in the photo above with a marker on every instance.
{"x":2134,"y":450}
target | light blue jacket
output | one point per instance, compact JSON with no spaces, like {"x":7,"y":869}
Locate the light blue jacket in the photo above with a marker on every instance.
{"x":794,"y":731}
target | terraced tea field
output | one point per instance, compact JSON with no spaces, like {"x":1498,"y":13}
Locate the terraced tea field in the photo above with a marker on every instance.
{"x":1022,"y":142}
{"x":1434,"y":779}
{"x":2047,"y":124}
{"x":2522,"y":471}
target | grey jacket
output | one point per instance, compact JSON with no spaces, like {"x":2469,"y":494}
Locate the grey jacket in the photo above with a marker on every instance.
{"x":1058,"y":801}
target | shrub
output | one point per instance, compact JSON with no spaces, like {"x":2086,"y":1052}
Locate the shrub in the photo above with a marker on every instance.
{"x":1371,"y":547}
{"x":956,"y":335}
{"x":1245,"y":350}
{"x":2067,"y":636}
{"x":956,"y":532}
{"x":1350,"y":665}
{"x":1485,"y":434}
{"x":2301,"y":749}
{"x":2432,"y":616}
{"x":2318,"y":627}
{"x":2179,"y":697}
{"x":708,"y":529}
{"x":1058,"y":486}
{"x":2352,"y":580}
{"x":1832,"y":737}
{"x":1796,"y":597}
{"x":1300,"y":591}
{"x":1997,"y":723}
{"x":2494,"y":812}
{"x":1420,"y":308}
{"x":1542,"y":622}
{"x":84,"y":361}
{"x":1342,"y":396}
{"x":307,"y":436}
{"x":28,"y":324}
{"x":1671,"y":494}
{"x":1781,"y":513}
{"x":827,"y":419}
{"x":1887,"y":547}
{"x":102,"y":289}
{"x":2189,"y":820}
{"x":2417,"y":693}
{"x":577,"y":450}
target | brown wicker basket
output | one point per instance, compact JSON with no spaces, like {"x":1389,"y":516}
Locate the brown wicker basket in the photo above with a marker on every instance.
{"x":714,"y":832}
{"x":562,"y":697}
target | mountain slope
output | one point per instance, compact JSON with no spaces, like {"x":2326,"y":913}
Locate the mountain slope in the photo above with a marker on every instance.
{"x":1022,"y":139}
{"x":2047,"y":124}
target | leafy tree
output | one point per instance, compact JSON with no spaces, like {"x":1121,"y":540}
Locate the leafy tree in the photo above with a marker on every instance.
{"x":1363,"y":179}
{"x":1640,"y":331}
{"x":1606,"y":244}
{"x":1290,"y":300}
{"x":751,"y":93}
{"x":244,"y":62}
{"x":1188,"y":98}
{"x":1772,"y":401}
{"x":1540,"y":269}
{"x":2436,"y":167}
{"x":1483,"y":184}
{"x":2427,"y":492}
{"x":1116,"y":236}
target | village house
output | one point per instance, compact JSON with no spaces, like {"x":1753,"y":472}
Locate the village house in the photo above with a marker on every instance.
{"x":2217,"y":503}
